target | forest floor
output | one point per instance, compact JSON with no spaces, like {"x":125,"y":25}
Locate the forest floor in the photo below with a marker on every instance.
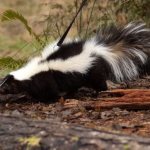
{"x":79,"y":110}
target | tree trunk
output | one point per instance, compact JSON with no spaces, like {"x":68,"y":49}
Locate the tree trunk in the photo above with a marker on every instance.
{"x":19,"y":133}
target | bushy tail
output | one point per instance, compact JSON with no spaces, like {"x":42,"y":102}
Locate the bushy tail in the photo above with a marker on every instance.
{"x":129,"y":50}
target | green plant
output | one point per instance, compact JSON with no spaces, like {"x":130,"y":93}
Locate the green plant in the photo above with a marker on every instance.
{"x":10,"y":63}
{"x":10,"y":15}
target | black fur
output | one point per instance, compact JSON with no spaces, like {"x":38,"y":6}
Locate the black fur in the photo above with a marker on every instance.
{"x":67,"y":50}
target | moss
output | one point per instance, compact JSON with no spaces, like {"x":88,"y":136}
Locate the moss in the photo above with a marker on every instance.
{"x":32,"y":141}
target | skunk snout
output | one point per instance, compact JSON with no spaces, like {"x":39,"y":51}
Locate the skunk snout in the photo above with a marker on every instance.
{"x":10,"y":86}
{"x":4,"y":89}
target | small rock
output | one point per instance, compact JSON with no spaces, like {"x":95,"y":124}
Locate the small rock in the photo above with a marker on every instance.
{"x":78,"y":114}
{"x":95,"y":115}
{"x":66,"y":113}
{"x":125,"y":112}
{"x":116,"y":127}
{"x":43,"y":133}
{"x":16,"y":113}
{"x":106,"y":114}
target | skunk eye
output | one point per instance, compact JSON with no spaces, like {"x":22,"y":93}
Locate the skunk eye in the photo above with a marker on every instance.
{"x":8,"y":87}
{"x":4,"y":89}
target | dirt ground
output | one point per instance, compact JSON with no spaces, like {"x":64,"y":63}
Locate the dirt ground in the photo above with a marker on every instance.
{"x":72,"y":111}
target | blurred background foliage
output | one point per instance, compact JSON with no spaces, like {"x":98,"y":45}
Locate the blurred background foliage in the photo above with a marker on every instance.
{"x":48,"y":19}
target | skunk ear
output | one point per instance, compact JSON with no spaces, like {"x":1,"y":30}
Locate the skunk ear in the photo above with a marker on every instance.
{"x":5,"y":80}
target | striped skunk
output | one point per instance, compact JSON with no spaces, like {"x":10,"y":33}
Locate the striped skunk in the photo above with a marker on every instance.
{"x":116,"y":53}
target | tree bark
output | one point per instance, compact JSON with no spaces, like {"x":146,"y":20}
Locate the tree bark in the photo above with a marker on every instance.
{"x":19,"y":133}
{"x":129,"y":99}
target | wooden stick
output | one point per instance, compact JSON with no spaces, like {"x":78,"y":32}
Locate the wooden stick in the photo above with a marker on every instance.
{"x":130,"y":99}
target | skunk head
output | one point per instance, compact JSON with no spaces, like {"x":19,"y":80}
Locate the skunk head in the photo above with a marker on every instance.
{"x":10,"y":86}
{"x":41,"y":86}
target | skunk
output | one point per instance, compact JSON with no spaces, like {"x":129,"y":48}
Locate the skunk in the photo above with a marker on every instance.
{"x":116,"y":53}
